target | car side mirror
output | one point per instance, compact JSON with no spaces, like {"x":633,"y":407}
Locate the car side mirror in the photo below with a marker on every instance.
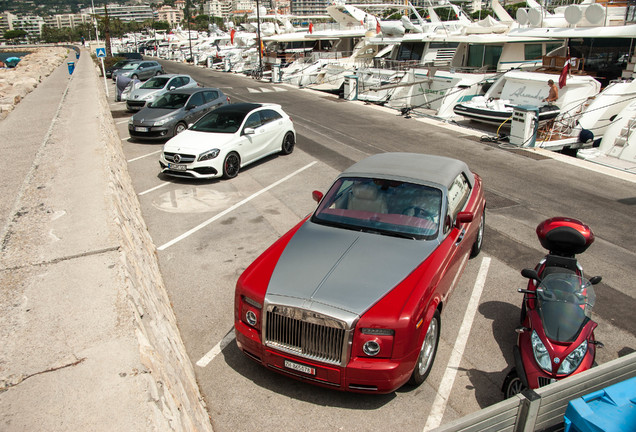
{"x":317,"y":196}
{"x":463,"y":217}
{"x":188,"y":107}
{"x":249,"y":131}
{"x":596,"y":279}
{"x":172,"y":87}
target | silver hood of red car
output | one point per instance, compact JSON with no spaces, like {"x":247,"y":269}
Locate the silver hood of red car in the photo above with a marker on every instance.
{"x":328,"y":269}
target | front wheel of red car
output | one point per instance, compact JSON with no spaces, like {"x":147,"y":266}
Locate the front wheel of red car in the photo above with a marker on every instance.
{"x":424,"y":362}
{"x":480,"y":236}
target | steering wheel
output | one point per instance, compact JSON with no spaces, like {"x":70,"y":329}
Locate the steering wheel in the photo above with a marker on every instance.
{"x":419,"y":212}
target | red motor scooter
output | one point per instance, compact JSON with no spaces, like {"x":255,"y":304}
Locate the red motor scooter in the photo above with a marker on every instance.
{"x":556,"y":336}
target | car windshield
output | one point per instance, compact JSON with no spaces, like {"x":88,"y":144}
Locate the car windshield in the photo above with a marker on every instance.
{"x":565,"y":305}
{"x":384,"y":206}
{"x":170,"y":101}
{"x":130,"y":66}
{"x":120,"y":63}
{"x":220,"y":122}
{"x":155,"y":83}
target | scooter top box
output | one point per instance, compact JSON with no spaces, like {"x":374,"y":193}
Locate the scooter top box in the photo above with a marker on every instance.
{"x":564,"y":236}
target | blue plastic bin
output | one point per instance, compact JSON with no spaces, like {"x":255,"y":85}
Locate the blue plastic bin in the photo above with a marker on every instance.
{"x":71,"y":67}
{"x":608,"y":410}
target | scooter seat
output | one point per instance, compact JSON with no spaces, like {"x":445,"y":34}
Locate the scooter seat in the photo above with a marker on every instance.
{"x":559,"y":264}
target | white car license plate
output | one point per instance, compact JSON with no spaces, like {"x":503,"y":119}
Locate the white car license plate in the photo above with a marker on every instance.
{"x":300,"y":367}
{"x":141,"y":129}
{"x":178,"y":167}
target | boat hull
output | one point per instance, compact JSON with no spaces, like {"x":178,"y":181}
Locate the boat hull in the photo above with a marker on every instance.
{"x":496,"y":117}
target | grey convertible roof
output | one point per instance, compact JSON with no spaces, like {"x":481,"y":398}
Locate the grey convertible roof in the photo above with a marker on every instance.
{"x":415,"y":166}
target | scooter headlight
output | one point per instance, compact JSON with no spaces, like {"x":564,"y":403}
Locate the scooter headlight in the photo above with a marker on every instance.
{"x":573,"y":360}
{"x":540,"y":352}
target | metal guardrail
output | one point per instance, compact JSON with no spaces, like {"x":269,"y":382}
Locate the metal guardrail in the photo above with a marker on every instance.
{"x":543,"y":408}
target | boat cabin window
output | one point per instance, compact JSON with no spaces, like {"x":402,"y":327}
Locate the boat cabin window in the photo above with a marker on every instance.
{"x":532,"y":51}
{"x":410,"y":51}
{"x":605,"y":58}
{"x":535,"y":51}
{"x":484,"y":56}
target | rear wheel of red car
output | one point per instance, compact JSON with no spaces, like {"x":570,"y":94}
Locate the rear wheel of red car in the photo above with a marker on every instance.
{"x":480,"y":236}
{"x":424,"y":362}
{"x":231,"y":165}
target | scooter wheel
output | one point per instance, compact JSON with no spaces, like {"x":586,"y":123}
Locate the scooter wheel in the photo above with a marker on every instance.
{"x":512,"y":384}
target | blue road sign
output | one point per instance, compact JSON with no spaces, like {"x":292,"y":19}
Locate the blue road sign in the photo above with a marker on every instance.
{"x":100,"y":52}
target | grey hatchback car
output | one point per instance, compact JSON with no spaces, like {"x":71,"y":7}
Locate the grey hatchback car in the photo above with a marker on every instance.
{"x":174,"y":111}
{"x":139,"y":69}
{"x":155,"y":87}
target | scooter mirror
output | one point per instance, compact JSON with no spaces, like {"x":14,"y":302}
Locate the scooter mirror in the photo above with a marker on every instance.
{"x":530,"y":274}
{"x":596,"y":279}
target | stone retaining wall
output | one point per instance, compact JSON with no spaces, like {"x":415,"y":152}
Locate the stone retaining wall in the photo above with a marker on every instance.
{"x":172,"y":382}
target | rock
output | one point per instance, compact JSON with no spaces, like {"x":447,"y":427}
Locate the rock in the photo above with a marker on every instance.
{"x":17,"y":82}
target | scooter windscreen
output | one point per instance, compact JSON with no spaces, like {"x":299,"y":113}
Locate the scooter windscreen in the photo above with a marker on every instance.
{"x":565,"y":302}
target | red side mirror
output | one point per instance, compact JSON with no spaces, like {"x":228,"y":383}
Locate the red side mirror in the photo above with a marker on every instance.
{"x":317,"y":196}
{"x":463,"y":217}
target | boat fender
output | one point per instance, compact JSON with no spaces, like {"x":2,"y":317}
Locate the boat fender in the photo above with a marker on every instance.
{"x":586,"y":136}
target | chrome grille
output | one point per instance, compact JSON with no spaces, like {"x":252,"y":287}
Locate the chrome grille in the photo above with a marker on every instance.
{"x":305,"y":334}
{"x":185,"y":158}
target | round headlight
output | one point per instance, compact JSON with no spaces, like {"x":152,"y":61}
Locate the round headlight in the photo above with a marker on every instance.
{"x":250,"y":317}
{"x":371,"y":348}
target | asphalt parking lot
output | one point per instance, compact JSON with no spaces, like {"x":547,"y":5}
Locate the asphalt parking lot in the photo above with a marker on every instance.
{"x":208,"y":232}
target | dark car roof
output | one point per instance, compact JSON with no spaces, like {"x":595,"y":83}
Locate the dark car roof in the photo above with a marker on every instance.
{"x":242,"y":108}
{"x":417,"y":167}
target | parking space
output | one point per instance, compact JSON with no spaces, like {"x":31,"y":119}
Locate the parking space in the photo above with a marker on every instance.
{"x":208,"y":232}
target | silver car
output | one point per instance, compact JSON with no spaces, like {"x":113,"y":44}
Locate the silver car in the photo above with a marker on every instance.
{"x":174,"y":111}
{"x":139,"y":69}
{"x":156,"y":87}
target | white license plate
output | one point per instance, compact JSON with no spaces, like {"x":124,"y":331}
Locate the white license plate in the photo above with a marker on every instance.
{"x":300,"y":368}
{"x":141,"y":129}
{"x":178,"y":167}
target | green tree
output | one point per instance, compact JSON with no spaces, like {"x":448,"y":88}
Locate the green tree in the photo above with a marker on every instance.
{"x":15,"y":34}
{"x":161,"y":25}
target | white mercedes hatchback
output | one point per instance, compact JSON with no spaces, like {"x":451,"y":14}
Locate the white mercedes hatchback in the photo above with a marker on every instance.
{"x":227,"y":139}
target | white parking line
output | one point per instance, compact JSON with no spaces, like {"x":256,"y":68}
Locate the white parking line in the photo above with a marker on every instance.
{"x":234,"y":207}
{"x":121,"y":122}
{"x":441,"y":399}
{"x":206,"y":359}
{"x":152,"y":189}
{"x":144,"y":156}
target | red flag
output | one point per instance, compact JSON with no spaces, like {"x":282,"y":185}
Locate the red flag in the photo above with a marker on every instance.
{"x":564,"y":74}
{"x":232,"y":36}
{"x":378,"y":29}
{"x":311,"y":28}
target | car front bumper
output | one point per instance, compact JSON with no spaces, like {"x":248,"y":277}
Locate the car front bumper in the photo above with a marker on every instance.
{"x":360,"y":375}
{"x":150,"y":132}
{"x":190,"y":168}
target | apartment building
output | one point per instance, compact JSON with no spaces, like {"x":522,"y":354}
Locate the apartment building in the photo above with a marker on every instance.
{"x":124,"y":13}
{"x":29,"y":23}
{"x":67,"y":20}
{"x":6,"y":21}
{"x":170,"y":14}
